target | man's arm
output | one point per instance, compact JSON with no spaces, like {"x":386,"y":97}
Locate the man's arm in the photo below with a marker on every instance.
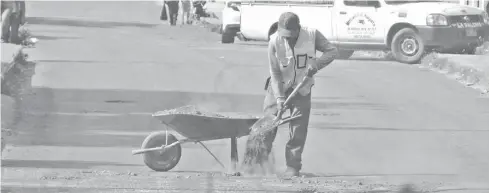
{"x":275,"y":73}
{"x":329,"y":50}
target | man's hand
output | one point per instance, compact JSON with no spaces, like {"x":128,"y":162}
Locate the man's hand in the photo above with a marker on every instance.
{"x":280,"y":103}
{"x":311,"y":71}
{"x":313,"y":67}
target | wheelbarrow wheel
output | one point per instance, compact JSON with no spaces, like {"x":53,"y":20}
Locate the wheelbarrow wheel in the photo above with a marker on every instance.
{"x":161,"y":161}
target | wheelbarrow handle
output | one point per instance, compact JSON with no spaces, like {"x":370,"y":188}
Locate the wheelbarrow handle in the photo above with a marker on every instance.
{"x":161,"y":148}
{"x":292,"y":95}
{"x":140,"y":151}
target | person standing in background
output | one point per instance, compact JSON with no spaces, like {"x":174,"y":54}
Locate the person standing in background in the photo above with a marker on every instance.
{"x":173,"y":10}
{"x":186,"y":8}
{"x":163,"y":16}
{"x":13,"y":16}
{"x":199,"y":9}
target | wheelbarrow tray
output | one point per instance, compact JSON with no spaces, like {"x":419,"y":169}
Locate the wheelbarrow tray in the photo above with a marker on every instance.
{"x":203,"y":127}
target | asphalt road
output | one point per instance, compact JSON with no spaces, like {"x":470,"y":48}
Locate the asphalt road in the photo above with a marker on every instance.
{"x":104,"y":67}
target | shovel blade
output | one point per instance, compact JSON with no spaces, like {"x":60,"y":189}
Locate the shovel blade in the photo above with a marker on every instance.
{"x":265,"y":124}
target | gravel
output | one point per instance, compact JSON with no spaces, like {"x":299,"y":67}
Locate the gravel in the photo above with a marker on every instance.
{"x":188,"y":110}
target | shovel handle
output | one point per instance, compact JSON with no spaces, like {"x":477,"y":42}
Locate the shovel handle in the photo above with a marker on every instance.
{"x":296,"y":90}
{"x":292,"y":95}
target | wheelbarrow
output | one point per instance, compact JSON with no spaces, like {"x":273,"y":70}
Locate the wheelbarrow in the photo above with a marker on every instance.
{"x":162,"y":150}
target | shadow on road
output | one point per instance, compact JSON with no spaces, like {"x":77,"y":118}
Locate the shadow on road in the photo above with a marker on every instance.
{"x":84,"y":23}
{"x":358,"y":128}
{"x":313,"y":175}
{"x":42,"y":37}
{"x":73,"y":61}
{"x":122,"y":118}
{"x":148,"y":190}
{"x":375,"y":59}
{"x":67,"y":164}
{"x":109,"y":118}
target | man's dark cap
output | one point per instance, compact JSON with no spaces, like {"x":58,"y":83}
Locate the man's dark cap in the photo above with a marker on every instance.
{"x":288,"y":21}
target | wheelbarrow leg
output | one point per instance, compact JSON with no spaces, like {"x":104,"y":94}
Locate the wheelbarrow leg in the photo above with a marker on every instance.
{"x":234,"y":154}
{"x":205,"y":147}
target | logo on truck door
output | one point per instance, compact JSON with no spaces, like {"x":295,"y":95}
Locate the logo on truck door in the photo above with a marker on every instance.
{"x":361,"y":26}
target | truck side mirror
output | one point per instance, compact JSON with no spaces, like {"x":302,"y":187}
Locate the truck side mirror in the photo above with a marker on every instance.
{"x":375,"y":4}
{"x":234,"y":7}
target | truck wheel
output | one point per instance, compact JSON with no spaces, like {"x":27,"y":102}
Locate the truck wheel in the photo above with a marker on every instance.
{"x":158,"y":160}
{"x":227,"y":36}
{"x":344,"y":54}
{"x":407,"y":46}
{"x":470,"y":50}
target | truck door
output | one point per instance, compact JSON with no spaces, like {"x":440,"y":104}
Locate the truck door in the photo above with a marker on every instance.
{"x":359,"y":21}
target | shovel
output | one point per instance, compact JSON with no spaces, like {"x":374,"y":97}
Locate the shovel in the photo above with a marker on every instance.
{"x":269,"y":122}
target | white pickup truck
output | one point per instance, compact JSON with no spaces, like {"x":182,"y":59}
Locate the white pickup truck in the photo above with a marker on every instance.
{"x":481,"y":4}
{"x":408,"y":28}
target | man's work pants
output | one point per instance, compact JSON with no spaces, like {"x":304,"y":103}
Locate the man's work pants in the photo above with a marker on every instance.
{"x":299,"y":105}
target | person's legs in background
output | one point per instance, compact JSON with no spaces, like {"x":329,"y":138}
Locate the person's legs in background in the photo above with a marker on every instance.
{"x":173,"y":10}
{"x":163,"y":15}
{"x":6,"y":20}
{"x":198,"y":10}
{"x":185,"y":12}
{"x":15,"y":21}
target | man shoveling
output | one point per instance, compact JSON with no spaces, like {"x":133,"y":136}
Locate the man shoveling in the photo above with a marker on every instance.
{"x":291,"y":51}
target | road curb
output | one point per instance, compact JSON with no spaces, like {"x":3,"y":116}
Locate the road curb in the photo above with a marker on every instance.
{"x":470,"y":70}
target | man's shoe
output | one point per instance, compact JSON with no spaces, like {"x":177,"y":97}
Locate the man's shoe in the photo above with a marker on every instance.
{"x":291,"y":172}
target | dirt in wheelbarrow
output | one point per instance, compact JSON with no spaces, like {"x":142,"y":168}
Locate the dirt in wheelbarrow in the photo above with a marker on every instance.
{"x":194,"y":110}
{"x":189,"y":110}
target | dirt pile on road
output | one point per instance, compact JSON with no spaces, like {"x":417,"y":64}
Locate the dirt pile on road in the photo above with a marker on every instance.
{"x":469,"y":70}
{"x":483,"y":50}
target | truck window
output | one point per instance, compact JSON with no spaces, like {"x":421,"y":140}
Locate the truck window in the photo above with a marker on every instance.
{"x":357,"y":3}
{"x":393,"y":2}
{"x":289,"y":2}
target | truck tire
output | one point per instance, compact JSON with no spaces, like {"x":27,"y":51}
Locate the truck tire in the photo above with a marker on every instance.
{"x":407,"y":46}
{"x":227,"y":36}
{"x":470,"y":50}
{"x":344,"y":54}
